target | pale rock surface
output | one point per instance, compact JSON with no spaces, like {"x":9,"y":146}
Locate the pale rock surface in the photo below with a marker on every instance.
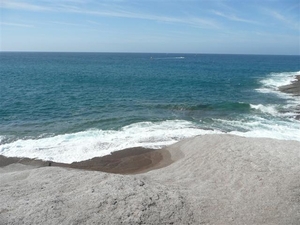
{"x":216,"y":179}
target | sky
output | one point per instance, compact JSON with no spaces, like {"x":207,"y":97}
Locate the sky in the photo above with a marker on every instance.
{"x":164,"y":26}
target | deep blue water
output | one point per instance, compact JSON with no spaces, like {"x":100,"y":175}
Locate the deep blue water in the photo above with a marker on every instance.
{"x":72,"y":106}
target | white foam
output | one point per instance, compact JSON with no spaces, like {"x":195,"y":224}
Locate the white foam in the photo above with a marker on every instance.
{"x":84,"y":145}
{"x":276,"y":110}
{"x":275,"y":80}
{"x":272,"y":83}
{"x":175,"y":57}
{"x":288,"y":129}
{"x":269,"y":109}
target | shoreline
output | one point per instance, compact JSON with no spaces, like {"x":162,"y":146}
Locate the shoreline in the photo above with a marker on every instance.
{"x":128,"y":161}
{"x":293,"y":88}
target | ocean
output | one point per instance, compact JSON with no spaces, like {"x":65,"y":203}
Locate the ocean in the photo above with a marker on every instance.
{"x":68,"y":107}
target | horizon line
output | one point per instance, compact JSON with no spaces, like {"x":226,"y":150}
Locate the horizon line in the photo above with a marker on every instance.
{"x":115,"y":52}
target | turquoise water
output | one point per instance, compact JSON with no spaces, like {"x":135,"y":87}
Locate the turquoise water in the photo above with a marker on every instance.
{"x":73,"y":106}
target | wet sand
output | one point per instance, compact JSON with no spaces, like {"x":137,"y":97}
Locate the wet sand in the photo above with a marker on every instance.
{"x":127,"y":161}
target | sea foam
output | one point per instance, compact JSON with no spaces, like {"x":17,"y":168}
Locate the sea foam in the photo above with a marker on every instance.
{"x":87,"y":144}
{"x":273,"y":81}
{"x":84,"y":145}
{"x":269,"y":109}
{"x":256,"y":126}
{"x":276,"y":80}
{"x":271,"y":85}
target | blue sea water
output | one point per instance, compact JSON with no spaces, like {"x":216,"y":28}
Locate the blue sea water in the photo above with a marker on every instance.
{"x":73,"y":106}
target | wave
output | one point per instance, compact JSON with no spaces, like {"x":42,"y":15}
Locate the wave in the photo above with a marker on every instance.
{"x":84,"y":145}
{"x":87,"y":144}
{"x":273,"y":81}
{"x":256,"y":126}
{"x":271,"y":85}
{"x":228,"y":106}
{"x":175,"y":57}
{"x":276,"y":110}
{"x":268,"y":109}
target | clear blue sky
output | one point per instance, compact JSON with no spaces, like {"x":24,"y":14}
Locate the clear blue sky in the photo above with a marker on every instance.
{"x":168,"y":26}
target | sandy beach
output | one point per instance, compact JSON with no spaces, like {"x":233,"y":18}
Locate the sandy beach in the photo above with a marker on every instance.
{"x":210,"y":179}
